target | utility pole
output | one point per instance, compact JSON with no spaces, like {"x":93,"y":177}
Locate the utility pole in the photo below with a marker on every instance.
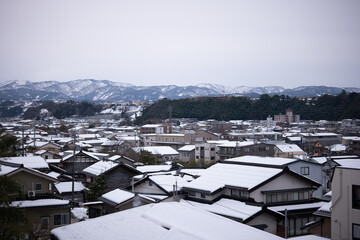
{"x":286,"y":225}
{"x":73,"y":173}
{"x":34,"y":138}
{"x":22,"y":142}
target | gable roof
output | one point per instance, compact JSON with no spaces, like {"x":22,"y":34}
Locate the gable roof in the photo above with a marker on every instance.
{"x":80,"y":152}
{"x":35,"y":162}
{"x":160,"y":221}
{"x":116,"y":196}
{"x":103,"y":167}
{"x":242,"y":176}
{"x":66,"y":187}
{"x":33,"y":172}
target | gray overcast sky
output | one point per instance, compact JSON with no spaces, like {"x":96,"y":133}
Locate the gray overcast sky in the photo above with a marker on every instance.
{"x":288,"y":43}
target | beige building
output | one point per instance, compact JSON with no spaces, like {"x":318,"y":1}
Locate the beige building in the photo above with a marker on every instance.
{"x":345,"y":214}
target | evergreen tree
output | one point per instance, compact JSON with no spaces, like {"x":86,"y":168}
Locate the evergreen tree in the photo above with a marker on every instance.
{"x":97,"y":188}
{"x":12,"y":219}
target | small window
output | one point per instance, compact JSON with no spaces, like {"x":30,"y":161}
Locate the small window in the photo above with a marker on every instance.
{"x":38,"y":187}
{"x":356,"y":197}
{"x":203,"y":195}
{"x":234,"y":192}
{"x":356,"y":231}
{"x":44,"y":223}
{"x":150,"y":183}
{"x":304,"y":170}
{"x":212,"y":149}
{"x":61,"y":219}
{"x":191,"y":194}
{"x":247,"y":149}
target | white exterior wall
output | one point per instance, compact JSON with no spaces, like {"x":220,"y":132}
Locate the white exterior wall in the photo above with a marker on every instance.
{"x":343,"y":216}
{"x":285,"y":181}
{"x":315,"y":174}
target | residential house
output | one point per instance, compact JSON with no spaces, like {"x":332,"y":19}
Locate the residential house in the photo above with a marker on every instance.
{"x":33,"y":183}
{"x":186,"y":153}
{"x":163,"y":153}
{"x":44,"y":215}
{"x":78,"y":163}
{"x":118,"y":174}
{"x":261,"y":185}
{"x":155,"y":128}
{"x":345,"y":208}
{"x":252,"y":148}
{"x":309,"y":169}
{"x":34,"y":162}
{"x":119,"y":200}
{"x":64,"y":190}
{"x":207,"y":150}
{"x":315,"y":143}
{"x":288,"y":151}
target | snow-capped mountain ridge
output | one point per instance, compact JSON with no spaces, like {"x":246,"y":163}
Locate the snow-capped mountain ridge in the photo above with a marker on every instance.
{"x":104,"y":90}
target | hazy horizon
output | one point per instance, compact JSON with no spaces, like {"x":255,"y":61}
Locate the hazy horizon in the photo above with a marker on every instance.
{"x":232,"y":43}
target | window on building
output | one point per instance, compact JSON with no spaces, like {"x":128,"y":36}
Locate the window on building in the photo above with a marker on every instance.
{"x":356,"y":196}
{"x":212,"y":149}
{"x":203,"y":195}
{"x":267,"y":148}
{"x":191,"y":194}
{"x":61,"y":219}
{"x":247,"y":149}
{"x":38,"y":187}
{"x":44,"y":223}
{"x":304,"y":170}
{"x":235,"y":192}
{"x":356,"y":231}
{"x":150,"y":183}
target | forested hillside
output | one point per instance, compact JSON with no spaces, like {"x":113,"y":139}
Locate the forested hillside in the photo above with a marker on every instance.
{"x":327,"y":107}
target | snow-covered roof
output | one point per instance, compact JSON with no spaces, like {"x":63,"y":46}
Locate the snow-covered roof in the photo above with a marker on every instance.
{"x":35,"y":162}
{"x":65,"y":187}
{"x":337,"y":148}
{"x":39,"y":203}
{"x":349,"y":163}
{"x":297,"y":206}
{"x":223,"y":174}
{"x":80,"y":213}
{"x":100,"y":167}
{"x":236,"y":144}
{"x":229,"y":208}
{"x":6,"y":169}
{"x":294,"y":139}
{"x":153,"y":168}
{"x":172,"y":221}
{"x":77,"y":152}
{"x":326,"y":207}
{"x":168,"y":181}
{"x":158,"y":150}
{"x":261,"y":160}
{"x":118,"y":196}
{"x":289,"y":148}
{"x":187,"y":148}
{"x":193,"y":171}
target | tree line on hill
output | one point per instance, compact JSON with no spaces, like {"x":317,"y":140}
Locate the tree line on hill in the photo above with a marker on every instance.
{"x":326,"y":107}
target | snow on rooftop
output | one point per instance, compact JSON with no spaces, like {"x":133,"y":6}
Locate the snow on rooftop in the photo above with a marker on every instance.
{"x":65,"y":187}
{"x":228,"y":207}
{"x":326,"y":207}
{"x":77,"y":152}
{"x":6,"y":169}
{"x":118,"y":196}
{"x":187,"y":148}
{"x":289,"y":148}
{"x":100,"y":167}
{"x":338,"y":148}
{"x":35,"y":162}
{"x":158,"y":150}
{"x":39,"y":203}
{"x":220,"y":175}
{"x":262,"y":160}
{"x":236,"y":144}
{"x":168,"y":181}
{"x":298,"y":206}
{"x":79,"y":213}
{"x":349,"y":163}
{"x":175,"y":221}
{"x":153,"y":168}
{"x":193,"y":171}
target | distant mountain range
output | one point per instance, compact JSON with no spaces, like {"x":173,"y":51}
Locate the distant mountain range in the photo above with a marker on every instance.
{"x":104,"y":90}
